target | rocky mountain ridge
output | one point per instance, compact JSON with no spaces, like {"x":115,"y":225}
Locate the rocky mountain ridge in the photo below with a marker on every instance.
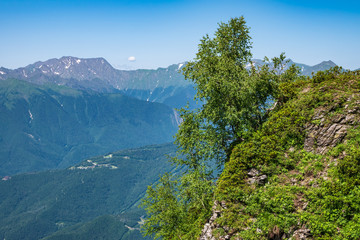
{"x":164,"y":85}
{"x":87,"y":69}
{"x":96,"y":74}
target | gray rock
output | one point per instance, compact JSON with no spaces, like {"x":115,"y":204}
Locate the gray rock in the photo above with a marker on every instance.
{"x":319,"y":139}
{"x":302,"y":234}
{"x":253,"y":172}
{"x":255,"y":178}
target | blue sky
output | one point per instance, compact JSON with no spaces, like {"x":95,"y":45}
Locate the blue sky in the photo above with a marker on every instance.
{"x":160,"y":33}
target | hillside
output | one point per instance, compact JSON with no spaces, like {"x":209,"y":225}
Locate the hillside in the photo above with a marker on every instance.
{"x":96,"y":199}
{"x":47,"y":126}
{"x":298,"y":176}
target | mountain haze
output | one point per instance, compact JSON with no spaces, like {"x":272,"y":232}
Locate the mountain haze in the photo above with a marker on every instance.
{"x":43,"y":127}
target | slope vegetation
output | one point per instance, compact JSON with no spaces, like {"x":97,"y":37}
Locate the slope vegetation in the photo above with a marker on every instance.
{"x":298,"y":176}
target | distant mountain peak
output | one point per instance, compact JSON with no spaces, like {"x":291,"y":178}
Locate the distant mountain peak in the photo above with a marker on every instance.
{"x":69,"y":60}
{"x":68,"y":67}
{"x":3,"y":71}
{"x":329,"y":63}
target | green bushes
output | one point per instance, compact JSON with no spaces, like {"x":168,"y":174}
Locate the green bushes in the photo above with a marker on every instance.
{"x":304,"y":190}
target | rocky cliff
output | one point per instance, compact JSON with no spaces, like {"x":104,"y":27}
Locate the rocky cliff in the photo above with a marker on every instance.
{"x":297,"y":177}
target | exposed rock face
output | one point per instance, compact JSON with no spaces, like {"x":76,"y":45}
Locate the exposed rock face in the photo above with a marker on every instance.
{"x":324,"y":133}
{"x":302,"y":233}
{"x":207,"y":232}
{"x":256,"y":177}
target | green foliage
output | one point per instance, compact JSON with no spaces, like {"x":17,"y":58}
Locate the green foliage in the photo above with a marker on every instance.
{"x":265,"y":150}
{"x":326,"y":75}
{"x":178,"y":208}
{"x":303,"y":189}
{"x":334,"y":206}
{"x":163,"y":209}
{"x":348,"y":169}
{"x":236,"y":99}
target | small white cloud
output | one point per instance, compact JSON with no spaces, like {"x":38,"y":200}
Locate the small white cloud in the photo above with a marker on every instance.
{"x":132,"y":59}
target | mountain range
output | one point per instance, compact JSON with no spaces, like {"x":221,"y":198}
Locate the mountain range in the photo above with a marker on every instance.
{"x":164,"y":85}
{"x":81,"y":72}
{"x":98,"y":75}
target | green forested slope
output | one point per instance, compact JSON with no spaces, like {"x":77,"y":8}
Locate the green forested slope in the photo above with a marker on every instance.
{"x":95,"y":198}
{"x":44,"y":127}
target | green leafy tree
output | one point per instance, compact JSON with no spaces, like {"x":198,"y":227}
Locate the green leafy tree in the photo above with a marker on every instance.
{"x":177,"y":206}
{"x":235,"y":98}
{"x":162,"y":205}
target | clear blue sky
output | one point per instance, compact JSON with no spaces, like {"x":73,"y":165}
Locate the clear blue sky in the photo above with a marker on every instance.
{"x":159,"y":33}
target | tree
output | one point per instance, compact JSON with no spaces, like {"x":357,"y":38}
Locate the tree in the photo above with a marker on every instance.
{"x":175,"y":206}
{"x":235,"y":98}
{"x":235,"y":95}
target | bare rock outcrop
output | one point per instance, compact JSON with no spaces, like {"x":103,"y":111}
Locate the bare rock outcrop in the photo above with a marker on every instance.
{"x":255,"y":176}
{"x":302,"y":234}
{"x":324,"y":133}
{"x":209,"y":227}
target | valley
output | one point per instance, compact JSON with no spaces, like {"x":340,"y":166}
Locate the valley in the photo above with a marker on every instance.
{"x":70,"y":203}
{"x":47,"y":126}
